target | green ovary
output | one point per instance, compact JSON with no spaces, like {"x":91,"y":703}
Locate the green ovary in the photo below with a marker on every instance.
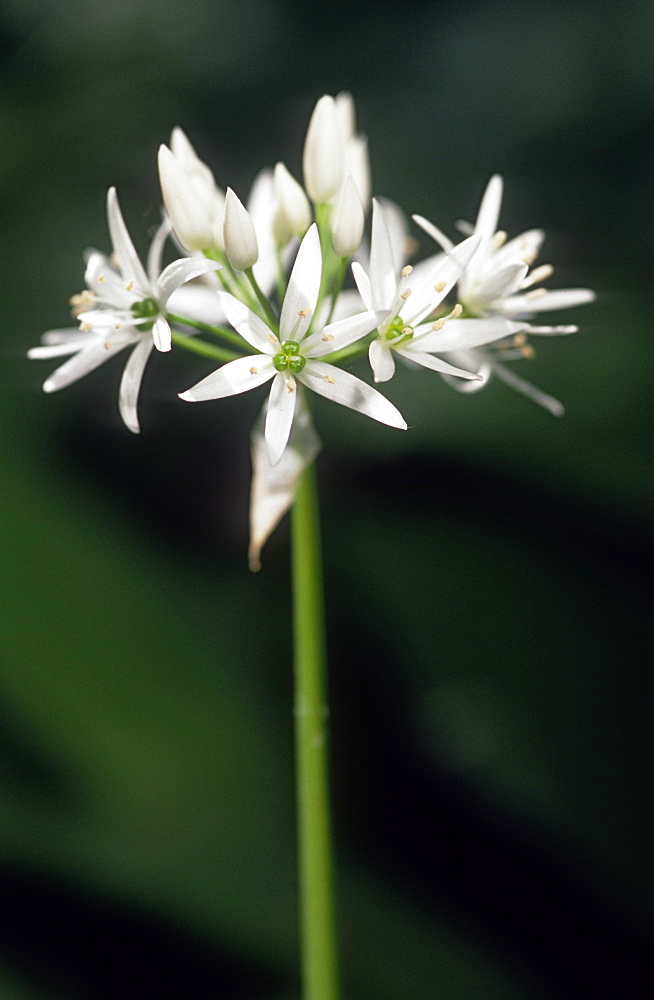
{"x":289,"y":358}
{"x":146,"y":309}
{"x":396,"y":329}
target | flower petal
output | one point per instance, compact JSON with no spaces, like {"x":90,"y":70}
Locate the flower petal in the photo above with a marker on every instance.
{"x":179,"y":272}
{"x":527,"y":389}
{"x":346,"y":389}
{"x":232,"y":378}
{"x":381,"y":360}
{"x":59,"y":348}
{"x":501,"y":282}
{"x":303,"y":288}
{"x":436,"y":365}
{"x":435,"y":286}
{"x":340,"y":334}
{"x":462,"y":334}
{"x":80,"y":365}
{"x":281,"y":407}
{"x":130,"y":384}
{"x":384,"y":270}
{"x":155,"y":251}
{"x":363,"y":284}
{"x":560,"y":298}
{"x":161,"y":336}
{"x":128,"y":261}
{"x":250,"y":327}
{"x":489,"y":209}
{"x":433,"y":231}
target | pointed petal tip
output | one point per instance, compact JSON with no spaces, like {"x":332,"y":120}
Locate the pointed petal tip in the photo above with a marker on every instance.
{"x":187,"y":396}
{"x":49,"y":386}
{"x":254,"y":562}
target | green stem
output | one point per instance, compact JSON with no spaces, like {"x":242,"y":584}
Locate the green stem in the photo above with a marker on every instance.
{"x":214,"y":331}
{"x":263,"y":301}
{"x":318,"y":939}
{"x":201,"y":347}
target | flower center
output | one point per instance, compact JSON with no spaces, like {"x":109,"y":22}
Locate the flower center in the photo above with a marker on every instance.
{"x":289,"y":359}
{"x":398,"y":328}
{"x":146,"y":309}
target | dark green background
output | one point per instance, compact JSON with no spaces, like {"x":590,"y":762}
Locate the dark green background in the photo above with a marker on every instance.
{"x":489,"y":626}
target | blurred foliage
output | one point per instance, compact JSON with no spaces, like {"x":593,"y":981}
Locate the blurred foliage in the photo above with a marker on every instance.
{"x":490,"y":630}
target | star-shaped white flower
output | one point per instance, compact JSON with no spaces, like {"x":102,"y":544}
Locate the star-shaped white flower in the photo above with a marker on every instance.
{"x":292,"y":356}
{"x":406,"y":303}
{"x":497,"y":280}
{"x":126,"y":307}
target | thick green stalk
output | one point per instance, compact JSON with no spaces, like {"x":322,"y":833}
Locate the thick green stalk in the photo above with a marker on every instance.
{"x":317,"y":924}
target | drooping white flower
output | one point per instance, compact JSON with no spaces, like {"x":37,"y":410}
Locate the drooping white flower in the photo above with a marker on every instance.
{"x":292,"y":357}
{"x":121,"y":306}
{"x":407,"y":297}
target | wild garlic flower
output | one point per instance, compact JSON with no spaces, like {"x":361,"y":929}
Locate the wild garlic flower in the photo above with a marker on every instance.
{"x":407,"y":297}
{"x":291,"y":356}
{"x":121,"y":306}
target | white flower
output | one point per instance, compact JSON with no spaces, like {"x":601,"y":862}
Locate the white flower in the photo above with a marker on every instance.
{"x":348,"y":220}
{"x":128,"y":309}
{"x":292,"y":356}
{"x":293,"y":214}
{"x":497,"y":281}
{"x":239,"y":234}
{"x":323,"y":158}
{"x":405,"y":303}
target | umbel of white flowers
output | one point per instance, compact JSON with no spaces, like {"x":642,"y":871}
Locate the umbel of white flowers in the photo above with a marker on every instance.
{"x":271,"y":275}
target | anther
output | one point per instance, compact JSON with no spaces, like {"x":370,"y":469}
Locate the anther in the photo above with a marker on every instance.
{"x":519,"y":340}
{"x":438,"y":324}
{"x":499,"y":239}
{"x":407,"y":331}
{"x":456,"y":312}
{"x":101,"y":279}
{"x":85,"y":327}
{"x":440,"y":286}
{"x":405,"y":295}
{"x":406,"y":271}
{"x":330,"y":379}
{"x":130,"y":284}
{"x":538,"y":274}
{"x":536,"y":293}
{"x":117,"y":326}
{"x":290,"y":386}
{"x":253,"y":370}
{"x":303,"y":312}
{"x":528,"y":352}
{"x":326,"y":337}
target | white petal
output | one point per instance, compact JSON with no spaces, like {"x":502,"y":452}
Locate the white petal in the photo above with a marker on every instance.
{"x":261,"y":206}
{"x":323,"y":158}
{"x":199,"y":302}
{"x":239,"y":234}
{"x":384,"y":270}
{"x":462,"y":334}
{"x":128,"y":261}
{"x":303,"y":288}
{"x":234,"y":377}
{"x":397,"y":225}
{"x":524,"y":247}
{"x":363,"y":284}
{"x":161,"y":336}
{"x":527,"y":389}
{"x":179,"y":272}
{"x":563,"y":298}
{"x":433,"y":231}
{"x":155,"y":251}
{"x":381,"y":360}
{"x":503,"y":281}
{"x":130,"y":384}
{"x":105,"y":282}
{"x":250,"y":327}
{"x":79,"y":366}
{"x":188,"y":204}
{"x":281,"y":407}
{"x":489,"y":209}
{"x":346,"y":389}
{"x":341,"y":334}
{"x":348,"y":220}
{"x":274,"y":486}
{"x":62,"y":336}
{"x":60,"y":348}
{"x":435,"y":364}
{"x":435,"y":286}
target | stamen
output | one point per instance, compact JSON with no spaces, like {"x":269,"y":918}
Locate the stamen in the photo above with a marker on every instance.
{"x":519,"y":340}
{"x":406,"y":271}
{"x":538,"y":274}
{"x":117,"y":325}
{"x":130,"y":284}
{"x":440,"y":286}
{"x":406,"y":330}
{"x":290,"y":386}
{"x":253,"y":370}
{"x":499,"y":239}
{"x":107,"y":345}
{"x":456,"y":312}
{"x":303,"y":312}
{"x":405,"y":295}
{"x":101,"y":279}
{"x":536,"y":293}
{"x":326,"y":337}
{"x":85,"y":327}
{"x":272,"y":338}
{"x":328,"y":378}
{"x":528,"y":352}
{"x":438,"y":324}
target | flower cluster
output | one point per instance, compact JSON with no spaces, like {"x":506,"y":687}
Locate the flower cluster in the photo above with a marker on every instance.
{"x":264,"y":282}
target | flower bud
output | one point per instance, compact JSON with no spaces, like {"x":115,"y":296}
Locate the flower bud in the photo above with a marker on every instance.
{"x":357,"y":163}
{"x":324,"y":152}
{"x":348,"y":220}
{"x":201,"y":177}
{"x":293,"y":206}
{"x":240,"y":238}
{"x":189,"y":217}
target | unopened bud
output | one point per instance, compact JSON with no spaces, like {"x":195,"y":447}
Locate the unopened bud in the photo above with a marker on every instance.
{"x":240,"y":238}
{"x":348,"y":220}
{"x":324,"y":152}
{"x":189,"y":217}
{"x":292,"y":203}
